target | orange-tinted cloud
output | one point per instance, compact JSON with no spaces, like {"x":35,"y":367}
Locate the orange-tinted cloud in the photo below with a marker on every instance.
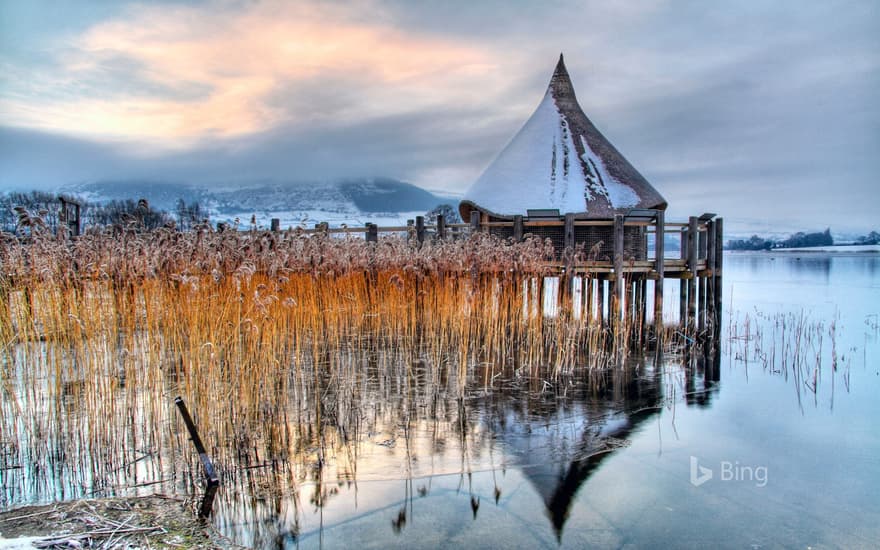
{"x":245,"y":59}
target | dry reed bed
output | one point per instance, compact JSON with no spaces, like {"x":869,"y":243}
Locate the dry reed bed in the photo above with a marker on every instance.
{"x":98,"y":335}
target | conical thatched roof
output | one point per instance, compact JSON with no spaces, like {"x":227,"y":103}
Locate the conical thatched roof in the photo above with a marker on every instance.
{"x":559,"y":160}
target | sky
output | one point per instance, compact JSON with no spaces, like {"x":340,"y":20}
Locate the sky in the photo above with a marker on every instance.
{"x":764,"y":112}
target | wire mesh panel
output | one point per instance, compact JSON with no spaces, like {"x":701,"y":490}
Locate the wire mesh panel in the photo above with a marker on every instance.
{"x":555,"y":234}
{"x":598,"y":241}
{"x":501,"y":232}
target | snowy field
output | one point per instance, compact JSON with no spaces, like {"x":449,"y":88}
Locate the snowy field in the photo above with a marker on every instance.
{"x":308,"y":218}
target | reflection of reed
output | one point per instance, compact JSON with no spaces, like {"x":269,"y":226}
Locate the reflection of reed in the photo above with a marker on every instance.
{"x":791,"y":345}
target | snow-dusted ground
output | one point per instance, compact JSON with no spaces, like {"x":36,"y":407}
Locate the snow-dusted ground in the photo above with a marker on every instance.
{"x":308,"y":218}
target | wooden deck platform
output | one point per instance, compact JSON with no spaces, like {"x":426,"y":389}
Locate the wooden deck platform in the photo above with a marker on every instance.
{"x":622,"y":276}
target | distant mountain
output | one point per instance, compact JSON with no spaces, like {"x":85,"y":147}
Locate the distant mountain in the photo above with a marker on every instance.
{"x":345,"y":201}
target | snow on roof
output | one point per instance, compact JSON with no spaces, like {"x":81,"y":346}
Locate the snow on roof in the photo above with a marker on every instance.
{"x":559,"y":160}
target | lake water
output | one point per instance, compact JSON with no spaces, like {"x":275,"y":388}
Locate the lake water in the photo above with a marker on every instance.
{"x":772,"y":443}
{"x":776,"y":445}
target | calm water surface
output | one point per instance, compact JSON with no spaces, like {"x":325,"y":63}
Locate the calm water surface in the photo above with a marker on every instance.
{"x":775,"y":446}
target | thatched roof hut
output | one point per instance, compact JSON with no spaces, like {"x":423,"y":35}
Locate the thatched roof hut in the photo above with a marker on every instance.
{"x":559,"y":160}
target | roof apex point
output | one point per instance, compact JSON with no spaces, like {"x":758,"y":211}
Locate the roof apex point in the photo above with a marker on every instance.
{"x":560,"y":66}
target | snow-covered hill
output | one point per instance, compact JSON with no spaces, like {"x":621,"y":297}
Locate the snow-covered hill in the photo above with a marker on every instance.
{"x":354,"y":201}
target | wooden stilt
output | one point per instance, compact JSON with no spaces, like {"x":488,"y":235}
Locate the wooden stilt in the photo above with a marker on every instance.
{"x":617,"y":294}
{"x":702,"y":280}
{"x":659,"y":268}
{"x":692,"y":273}
{"x":683,"y":287}
{"x":718,"y":271}
{"x":710,"y":277}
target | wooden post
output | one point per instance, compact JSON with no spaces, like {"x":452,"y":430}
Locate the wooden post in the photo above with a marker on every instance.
{"x":275,"y":225}
{"x":642,"y":305}
{"x":710,"y":274}
{"x":682,"y":283}
{"x":600,"y":301}
{"x":718,"y":271}
{"x":475,"y":221}
{"x":588,"y":298}
{"x":517,"y":228}
{"x":441,"y":226}
{"x":372,"y":234}
{"x":617,"y":296}
{"x":703,"y":254}
{"x":420,"y":229}
{"x":541,"y":290}
{"x":692,"y":271}
{"x":659,"y":268}
{"x":569,"y":232}
{"x":631,"y":300}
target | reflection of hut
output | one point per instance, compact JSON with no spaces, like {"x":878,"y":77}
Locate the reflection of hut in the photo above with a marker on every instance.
{"x":559,"y":449}
{"x":558,"y":164}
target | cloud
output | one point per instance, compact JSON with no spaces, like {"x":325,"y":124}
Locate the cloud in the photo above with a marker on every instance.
{"x":178,"y":74}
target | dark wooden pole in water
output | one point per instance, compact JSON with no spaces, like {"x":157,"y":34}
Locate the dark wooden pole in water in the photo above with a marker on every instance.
{"x":659,"y":268}
{"x":441,"y":226}
{"x":210,"y":475}
{"x":692,"y":272}
{"x":517,"y":228}
{"x":617,"y":295}
{"x":600,"y":300}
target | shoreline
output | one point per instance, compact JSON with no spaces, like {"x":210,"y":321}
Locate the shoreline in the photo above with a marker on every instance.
{"x":839,"y":251}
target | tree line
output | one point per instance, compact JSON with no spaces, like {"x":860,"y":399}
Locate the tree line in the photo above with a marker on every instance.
{"x":797,"y":240}
{"x":40,"y":210}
